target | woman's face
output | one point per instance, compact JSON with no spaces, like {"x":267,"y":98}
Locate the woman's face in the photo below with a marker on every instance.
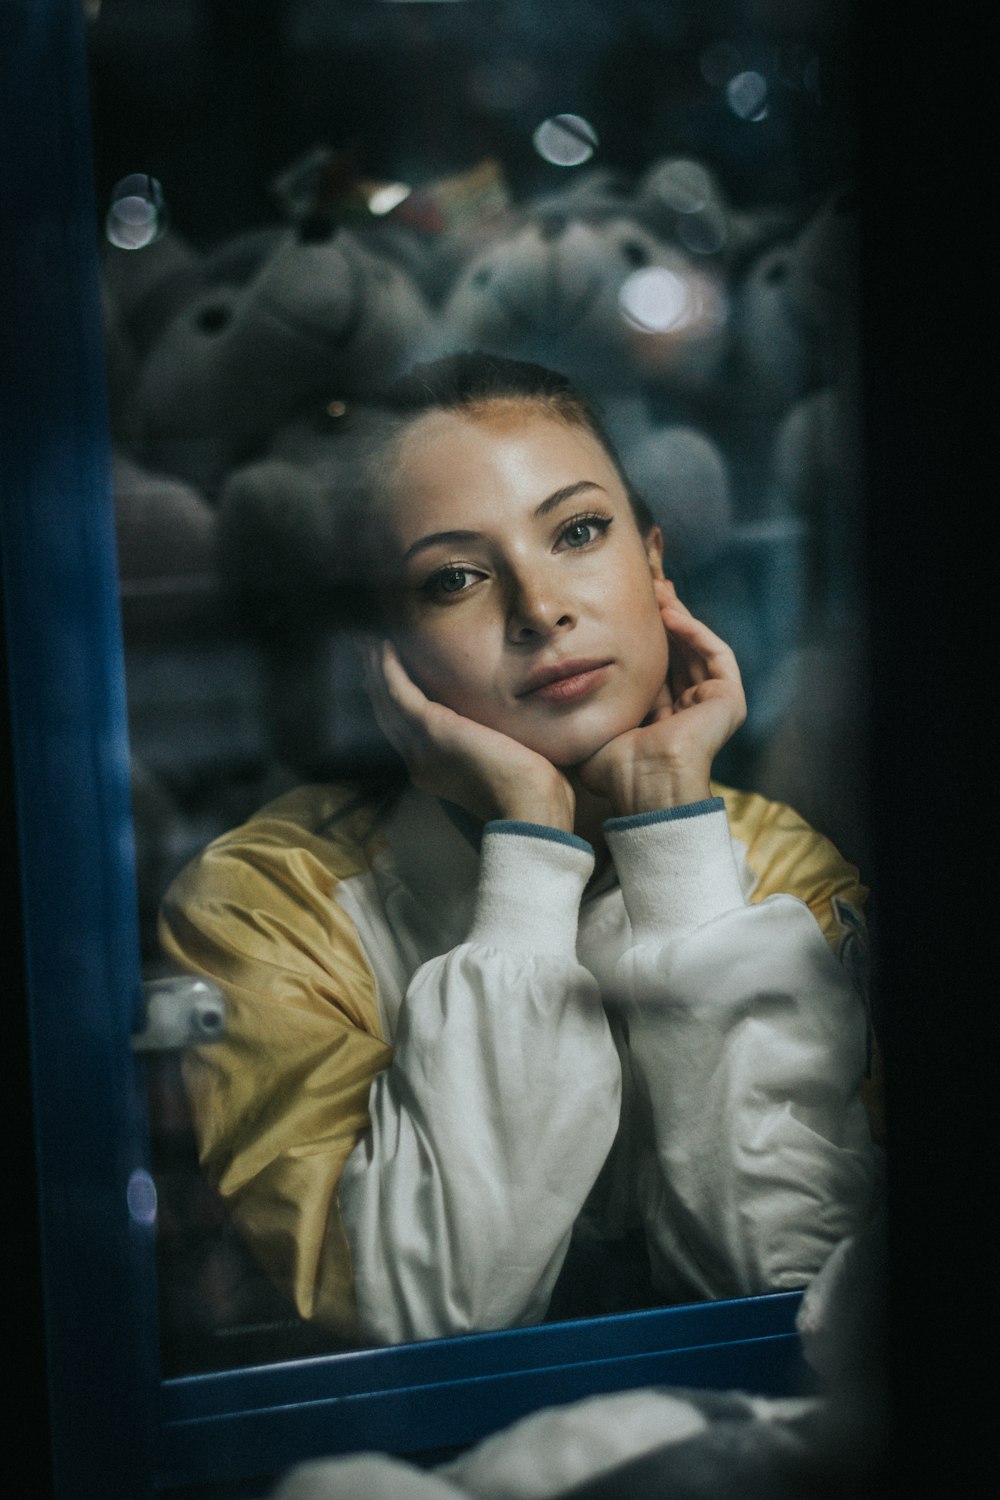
{"x":527,"y":597}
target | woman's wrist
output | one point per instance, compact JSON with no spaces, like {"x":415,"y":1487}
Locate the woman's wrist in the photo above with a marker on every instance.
{"x":529,"y":801}
{"x":651,"y":790}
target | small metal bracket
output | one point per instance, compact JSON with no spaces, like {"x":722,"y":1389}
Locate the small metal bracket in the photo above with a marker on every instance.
{"x":182,"y":1011}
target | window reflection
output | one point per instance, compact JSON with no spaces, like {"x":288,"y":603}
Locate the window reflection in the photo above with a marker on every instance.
{"x":301,"y":198}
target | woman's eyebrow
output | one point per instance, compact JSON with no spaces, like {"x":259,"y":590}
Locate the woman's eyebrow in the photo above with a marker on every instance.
{"x":548,"y":504}
{"x":440,"y":536}
{"x":566,"y":493}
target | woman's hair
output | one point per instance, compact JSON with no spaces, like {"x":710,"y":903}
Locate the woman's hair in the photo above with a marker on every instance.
{"x":472,"y":380}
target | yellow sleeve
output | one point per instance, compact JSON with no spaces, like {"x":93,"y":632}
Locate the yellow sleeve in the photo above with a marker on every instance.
{"x":786,"y":855}
{"x":280,"y":1103}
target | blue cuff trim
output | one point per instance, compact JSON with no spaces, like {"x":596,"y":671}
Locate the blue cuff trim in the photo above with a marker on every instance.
{"x":538,"y":831}
{"x":665,"y":815}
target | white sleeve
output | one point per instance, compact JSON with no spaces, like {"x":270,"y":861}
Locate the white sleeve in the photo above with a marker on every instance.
{"x":747,"y":1043}
{"x":496,"y":1114}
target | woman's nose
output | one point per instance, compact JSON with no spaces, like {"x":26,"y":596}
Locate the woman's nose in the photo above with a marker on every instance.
{"x":538,"y":607}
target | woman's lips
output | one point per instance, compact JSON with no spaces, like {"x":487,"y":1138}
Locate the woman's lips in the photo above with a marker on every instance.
{"x":567,"y":682}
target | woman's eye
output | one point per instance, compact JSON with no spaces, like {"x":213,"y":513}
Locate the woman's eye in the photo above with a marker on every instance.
{"x":449,"y":581}
{"x":582,"y":532}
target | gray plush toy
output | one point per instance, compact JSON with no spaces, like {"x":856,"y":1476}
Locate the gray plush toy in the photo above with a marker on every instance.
{"x":792,"y":312}
{"x":597,"y":295}
{"x":230,"y":367}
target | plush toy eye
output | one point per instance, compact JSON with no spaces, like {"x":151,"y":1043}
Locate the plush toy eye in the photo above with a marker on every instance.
{"x":635,"y":254}
{"x":214,"y":318}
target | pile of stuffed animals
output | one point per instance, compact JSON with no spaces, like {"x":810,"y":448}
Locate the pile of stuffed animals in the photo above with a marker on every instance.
{"x":719,"y":343}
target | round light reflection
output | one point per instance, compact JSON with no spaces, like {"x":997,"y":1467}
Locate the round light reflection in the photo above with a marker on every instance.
{"x":657,"y":300}
{"x":384,"y":199}
{"x":747,"y":96}
{"x":685,"y":186}
{"x":140,"y":1196}
{"x":137,"y":215}
{"x":565,"y":140}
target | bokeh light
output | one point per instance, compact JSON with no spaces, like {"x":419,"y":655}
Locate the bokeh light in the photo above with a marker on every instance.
{"x":141,"y":1198}
{"x":658,"y":300}
{"x":686,"y":186}
{"x":137,"y":214}
{"x":387,"y":197}
{"x":565,"y":140}
{"x":746,"y":95}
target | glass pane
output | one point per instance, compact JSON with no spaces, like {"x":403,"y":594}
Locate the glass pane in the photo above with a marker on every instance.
{"x":299,"y":199}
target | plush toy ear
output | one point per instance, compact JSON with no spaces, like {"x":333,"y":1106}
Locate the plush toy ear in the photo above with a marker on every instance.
{"x":683,"y":202}
{"x":772,"y":358}
{"x":605,"y":301}
{"x":166,"y":539}
{"x":149,"y":285}
{"x":825,"y":267}
{"x":275,"y":540}
{"x":793,"y":309}
{"x":317,"y":316}
{"x":814,"y":474}
{"x":280,"y":535}
{"x":683,"y":478}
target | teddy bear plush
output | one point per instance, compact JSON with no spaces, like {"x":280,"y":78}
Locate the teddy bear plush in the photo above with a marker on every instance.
{"x":793,"y":310}
{"x":316,"y":314}
{"x":288,"y":567}
{"x":597,"y":294}
{"x":815,"y":757}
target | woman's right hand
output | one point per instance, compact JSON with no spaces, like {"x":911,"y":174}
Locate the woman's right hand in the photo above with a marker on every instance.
{"x":478,"y":768}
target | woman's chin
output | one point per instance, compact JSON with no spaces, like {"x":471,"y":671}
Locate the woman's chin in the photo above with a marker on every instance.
{"x":573,"y":745}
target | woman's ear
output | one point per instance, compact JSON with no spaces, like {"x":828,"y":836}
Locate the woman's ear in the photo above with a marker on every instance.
{"x":654,"y":551}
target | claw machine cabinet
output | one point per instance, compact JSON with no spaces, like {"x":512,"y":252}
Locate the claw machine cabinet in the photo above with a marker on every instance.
{"x":128,"y":1417}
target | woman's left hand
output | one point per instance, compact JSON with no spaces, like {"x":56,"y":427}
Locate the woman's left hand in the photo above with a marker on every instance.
{"x":667,"y":760}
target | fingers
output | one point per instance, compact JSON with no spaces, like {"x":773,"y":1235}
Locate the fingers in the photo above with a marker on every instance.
{"x":703,"y":643}
{"x":399,"y":705}
{"x":706,"y":654}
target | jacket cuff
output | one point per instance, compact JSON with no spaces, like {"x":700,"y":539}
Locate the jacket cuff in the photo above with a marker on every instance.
{"x":676,"y":868}
{"x":531,"y":880}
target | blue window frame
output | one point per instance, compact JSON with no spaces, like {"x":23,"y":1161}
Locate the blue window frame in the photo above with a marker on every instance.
{"x":116,"y":1427}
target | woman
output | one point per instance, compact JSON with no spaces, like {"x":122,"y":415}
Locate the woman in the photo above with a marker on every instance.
{"x":562,"y":988}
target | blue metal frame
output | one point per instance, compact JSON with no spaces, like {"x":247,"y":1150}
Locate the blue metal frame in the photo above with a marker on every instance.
{"x":116,"y":1429}
{"x":454,"y":1391}
{"x":70,"y":762}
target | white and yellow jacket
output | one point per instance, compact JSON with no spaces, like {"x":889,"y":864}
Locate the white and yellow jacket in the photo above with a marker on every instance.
{"x":437,"y":1041}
